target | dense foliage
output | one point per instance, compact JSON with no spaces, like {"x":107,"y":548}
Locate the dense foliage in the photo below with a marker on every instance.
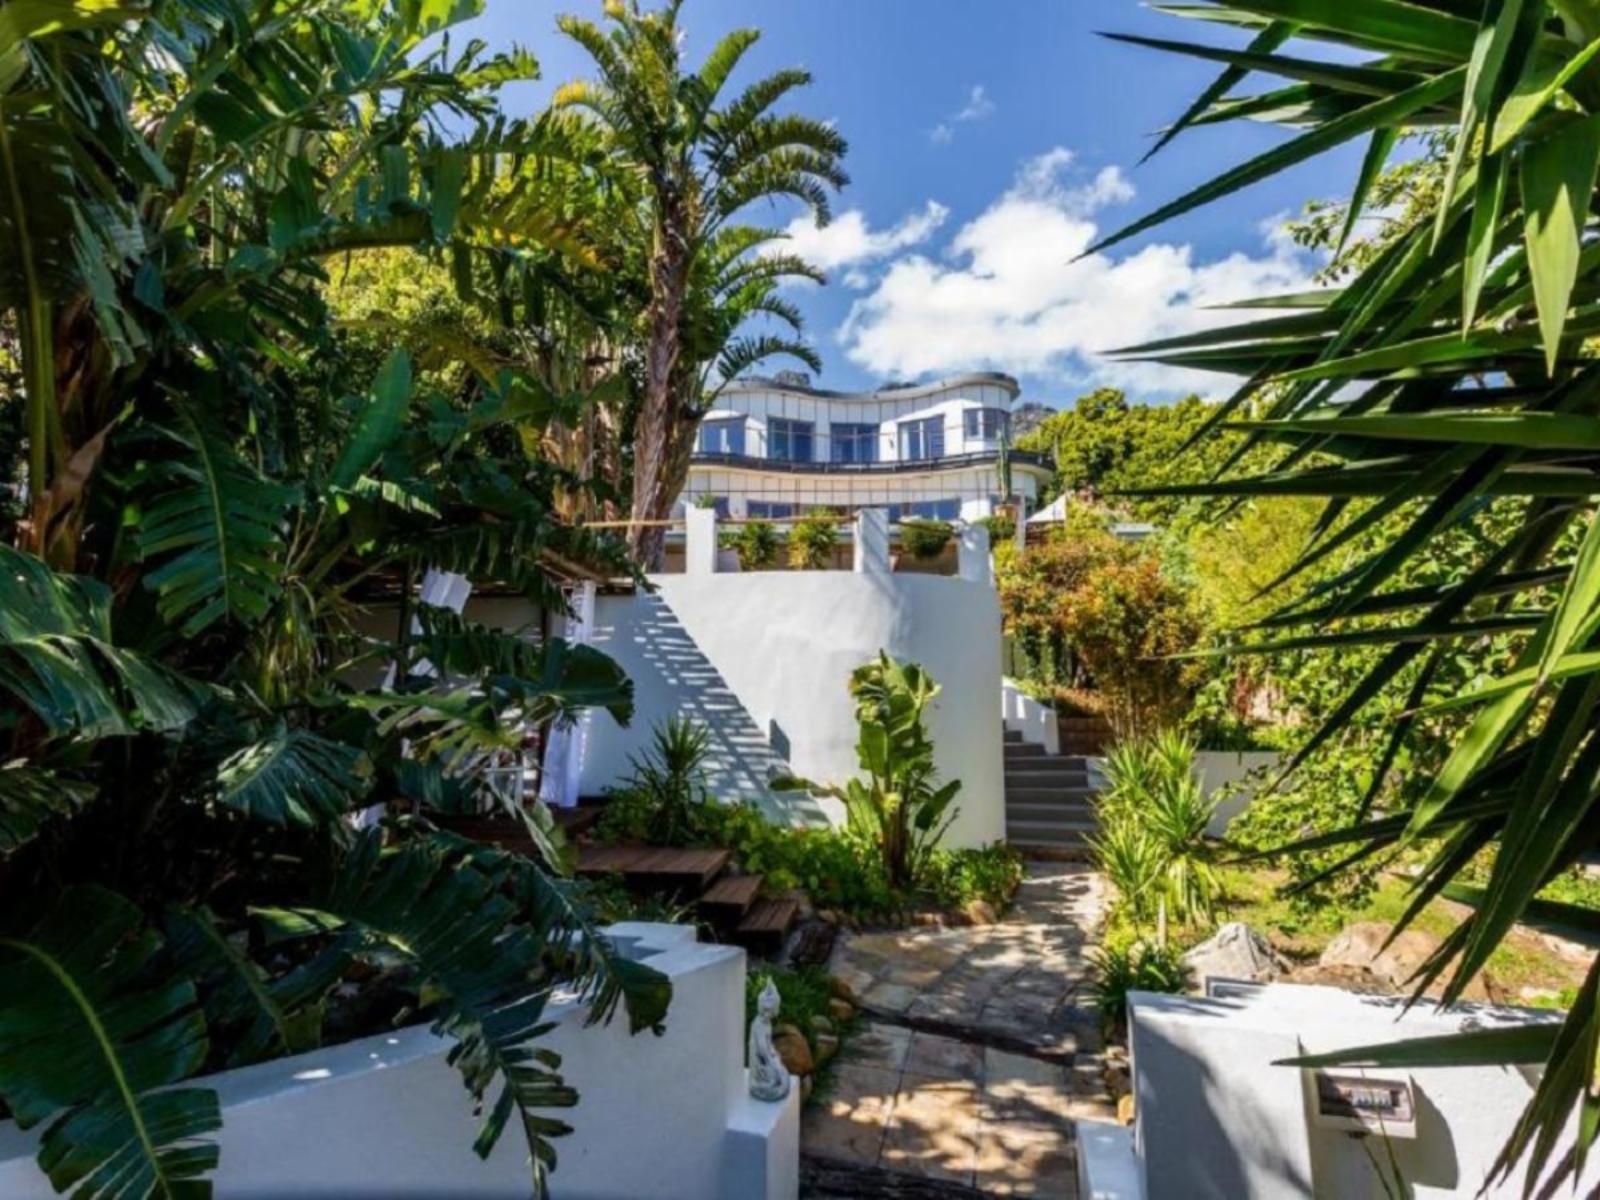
{"x":229,"y":728}
{"x":1447,"y":386}
{"x":1090,"y":610}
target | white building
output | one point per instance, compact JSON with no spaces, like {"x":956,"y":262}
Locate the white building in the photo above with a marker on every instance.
{"x":779,"y":447}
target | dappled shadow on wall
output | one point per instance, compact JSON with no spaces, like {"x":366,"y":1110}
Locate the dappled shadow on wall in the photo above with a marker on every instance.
{"x":742,"y":758}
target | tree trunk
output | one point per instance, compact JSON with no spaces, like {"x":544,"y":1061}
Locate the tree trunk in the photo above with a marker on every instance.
{"x":653,"y":432}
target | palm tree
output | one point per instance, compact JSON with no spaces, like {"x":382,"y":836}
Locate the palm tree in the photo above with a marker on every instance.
{"x":1451,"y":385}
{"x":694,"y":165}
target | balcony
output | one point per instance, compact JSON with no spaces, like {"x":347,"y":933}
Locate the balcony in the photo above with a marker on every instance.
{"x":911,"y":466}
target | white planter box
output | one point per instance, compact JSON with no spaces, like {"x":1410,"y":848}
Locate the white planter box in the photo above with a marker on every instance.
{"x":1229,"y":772}
{"x":386,"y":1116}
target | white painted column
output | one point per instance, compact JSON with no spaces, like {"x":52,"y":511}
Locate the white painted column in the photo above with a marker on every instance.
{"x":563,"y":757}
{"x":872,"y":542}
{"x":972,"y":554}
{"x":700,"y":540}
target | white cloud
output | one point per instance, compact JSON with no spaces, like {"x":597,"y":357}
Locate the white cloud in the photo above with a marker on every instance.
{"x":1008,"y":296}
{"x":848,"y":241}
{"x":978,"y":105}
{"x":977,"y":108}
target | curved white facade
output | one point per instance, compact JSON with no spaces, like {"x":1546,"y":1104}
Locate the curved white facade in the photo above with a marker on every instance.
{"x":776,"y":448}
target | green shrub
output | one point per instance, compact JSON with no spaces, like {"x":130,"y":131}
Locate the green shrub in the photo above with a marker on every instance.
{"x":955,"y":878}
{"x":663,"y":796}
{"x":757,"y":544}
{"x":803,"y":993}
{"x":811,"y":541}
{"x":837,"y":869}
{"x":1137,"y":967}
{"x":925,"y":539}
{"x":1001,"y":528}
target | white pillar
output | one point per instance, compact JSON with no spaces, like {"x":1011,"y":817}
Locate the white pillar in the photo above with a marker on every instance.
{"x":700,"y":540}
{"x":872,"y":542}
{"x":563,"y":757}
{"x":972,"y":554}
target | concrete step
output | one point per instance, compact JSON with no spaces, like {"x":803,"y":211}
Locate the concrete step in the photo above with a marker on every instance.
{"x":1040,"y":791}
{"x":1050,"y":833}
{"x":1024,"y":810}
{"x":1052,"y":773}
{"x":1025,"y":751}
{"x":1012,"y":736}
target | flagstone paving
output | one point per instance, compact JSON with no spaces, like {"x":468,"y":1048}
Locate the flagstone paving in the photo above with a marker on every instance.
{"x":980,"y":1049}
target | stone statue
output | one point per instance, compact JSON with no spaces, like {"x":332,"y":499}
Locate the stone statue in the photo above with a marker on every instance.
{"x":769,"y":1078}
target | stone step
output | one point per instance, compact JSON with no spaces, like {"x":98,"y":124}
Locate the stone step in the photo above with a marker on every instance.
{"x":1012,"y":736}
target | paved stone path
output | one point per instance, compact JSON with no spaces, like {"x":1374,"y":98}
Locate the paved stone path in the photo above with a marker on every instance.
{"x":980,"y":1049}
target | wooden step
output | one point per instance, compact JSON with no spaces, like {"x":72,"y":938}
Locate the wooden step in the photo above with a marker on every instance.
{"x":766,"y":924}
{"x":730,"y":897}
{"x":656,"y":868}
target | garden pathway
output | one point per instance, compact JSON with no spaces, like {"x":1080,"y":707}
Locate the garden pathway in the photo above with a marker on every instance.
{"x":980,"y":1048}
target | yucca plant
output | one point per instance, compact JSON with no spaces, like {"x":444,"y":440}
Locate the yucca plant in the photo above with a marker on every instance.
{"x":1134,"y":863}
{"x":1452,"y":383}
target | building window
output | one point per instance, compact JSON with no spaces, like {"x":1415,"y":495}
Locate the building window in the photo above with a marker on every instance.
{"x":769,"y":509}
{"x":926,"y":510}
{"x":722,"y":436}
{"x":853,"y":443}
{"x":989,"y":424}
{"x":922,"y":439}
{"x":789,"y":441}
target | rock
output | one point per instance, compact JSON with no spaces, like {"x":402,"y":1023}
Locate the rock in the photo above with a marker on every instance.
{"x":848,"y":984}
{"x":1125,"y":1109}
{"x":1359,"y":945}
{"x":1351,"y":979}
{"x":1235,"y":952}
{"x":792,"y":1048}
{"x":821,"y":1024}
{"x":827,"y":1047}
{"x":980,"y":912}
{"x":842,"y":1011}
{"x":1118,"y":1080}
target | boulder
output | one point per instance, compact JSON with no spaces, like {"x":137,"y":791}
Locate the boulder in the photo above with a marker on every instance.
{"x":980,"y":912}
{"x":827,"y":1047}
{"x":1235,"y":952}
{"x":794,"y":1052}
{"x":1361,"y":945}
{"x":842,"y":1011}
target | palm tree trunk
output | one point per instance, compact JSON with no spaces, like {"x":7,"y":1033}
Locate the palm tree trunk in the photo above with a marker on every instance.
{"x":653,"y":433}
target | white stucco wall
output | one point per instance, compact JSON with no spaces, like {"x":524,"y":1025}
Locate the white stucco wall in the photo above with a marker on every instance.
{"x":1216,"y":1119}
{"x":747,"y":652}
{"x":387,"y":1116}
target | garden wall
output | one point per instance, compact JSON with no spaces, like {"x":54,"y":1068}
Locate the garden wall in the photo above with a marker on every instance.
{"x":763,"y":659}
{"x":666,"y":1116}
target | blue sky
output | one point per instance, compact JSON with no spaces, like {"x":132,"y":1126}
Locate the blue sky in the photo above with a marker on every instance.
{"x":989,"y":142}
